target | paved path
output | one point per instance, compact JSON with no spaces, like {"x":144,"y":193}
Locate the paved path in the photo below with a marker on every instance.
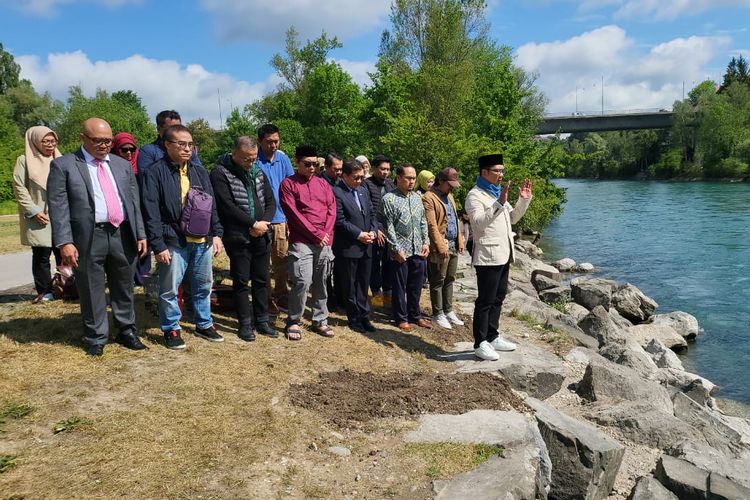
{"x":15,"y":270}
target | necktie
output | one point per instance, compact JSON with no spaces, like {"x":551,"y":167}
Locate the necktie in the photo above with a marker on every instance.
{"x":356,"y":199}
{"x":114,"y":210}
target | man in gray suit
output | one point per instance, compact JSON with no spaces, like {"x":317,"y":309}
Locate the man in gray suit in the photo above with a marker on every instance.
{"x":95,"y":212}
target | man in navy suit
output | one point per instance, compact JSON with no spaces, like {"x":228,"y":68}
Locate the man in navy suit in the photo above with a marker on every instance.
{"x":356,"y":230}
{"x":95,"y":210}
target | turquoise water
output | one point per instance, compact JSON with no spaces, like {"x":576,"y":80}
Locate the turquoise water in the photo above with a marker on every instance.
{"x":686,"y":245}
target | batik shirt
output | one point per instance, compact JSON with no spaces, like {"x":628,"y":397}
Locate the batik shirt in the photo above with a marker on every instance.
{"x":405,"y":223}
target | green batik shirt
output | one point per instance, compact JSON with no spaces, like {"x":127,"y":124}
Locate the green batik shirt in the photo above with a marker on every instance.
{"x":405,"y":223}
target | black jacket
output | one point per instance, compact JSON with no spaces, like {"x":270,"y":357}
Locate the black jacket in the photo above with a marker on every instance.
{"x":162,"y":203}
{"x":374,"y":188}
{"x":232,"y":202}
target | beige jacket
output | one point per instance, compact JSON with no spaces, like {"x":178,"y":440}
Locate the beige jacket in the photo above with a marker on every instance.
{"x":491,"y":224}
{"x":31,"y":199}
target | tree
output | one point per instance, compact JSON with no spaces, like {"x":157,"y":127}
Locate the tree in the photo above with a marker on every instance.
{"x":9,"y":71}
{"x":737,"y":71}
{"x":28,"y":108}
{"x":300,"y":61}
{"x":206,"y":141}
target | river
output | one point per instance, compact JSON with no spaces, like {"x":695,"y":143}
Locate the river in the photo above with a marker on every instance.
{"x":686,"y":245}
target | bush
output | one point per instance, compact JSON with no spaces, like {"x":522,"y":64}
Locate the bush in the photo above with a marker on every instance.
{"x":731,"y":168}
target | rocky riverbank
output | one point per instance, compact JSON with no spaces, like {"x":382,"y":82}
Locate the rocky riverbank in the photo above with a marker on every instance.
{"x":613,"y":413}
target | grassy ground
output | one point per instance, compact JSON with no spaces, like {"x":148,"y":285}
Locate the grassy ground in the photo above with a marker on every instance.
{"x":214,"y":421}
{"x":10,"y":240}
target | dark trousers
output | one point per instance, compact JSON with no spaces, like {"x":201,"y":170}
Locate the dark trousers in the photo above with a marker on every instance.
{"x":408,"y":278}
{"x":250,"y":262}
{"x":381,"y":274}
{"x":492,"y":284}
{"x":112,"y":255}
{"x":40,"y":267}
{"x":353,"y":277}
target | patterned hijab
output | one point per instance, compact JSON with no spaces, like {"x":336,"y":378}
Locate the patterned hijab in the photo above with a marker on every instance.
{"x":37,"y":165}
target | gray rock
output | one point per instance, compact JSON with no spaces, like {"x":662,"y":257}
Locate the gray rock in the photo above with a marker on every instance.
{"x":648,"y":488}
{"x":684,"y":381}
{"x":565,"y":265}
{"x":633,"y":304}
{"x":618,"y":319}
{"x":584,"y":267}
{"x":507,"y":428}
{"x":592,"y":292}
{"x":340,"y":451}
{"x":522,"y":305}
{"x":542,"y":282}
{"x":684,"y":323}
{"x":530,"y":369}
{"x":585,"y":461}
{"x":717,"y":433}
{"x":576,"y":311}
{"x":527,"y":265}
{"x":609,"y":382}
{"x":529,"y":248}
{"x":642,"y":423}
{"x":662,"y":356}
{"x":665,"y":334}
{"x":721,"y":488}
{"x":629,"y":354}
{"x":559,"y":294}
{"x":579,"y":355}
{"x":599,"y":324}
{"x":682,"y":478}
{"x":522,"y":286}
{"x":710,"y":459}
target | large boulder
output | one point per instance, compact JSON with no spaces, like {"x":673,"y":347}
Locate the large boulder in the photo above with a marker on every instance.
{"x":528,"y":248}
{"x":543,"y":282}
{"x":689,"y":482}
{"x":693,"y":386}
{"x":608,"y":382}
{"x":716,"y":432}
{"x":522,"y":286}
{"x":633,"y":304}
{"x":527,"y":265}
{"x":584,"y":267}
{"x":584,"y":460}
{"x":629,"y":354}
{"x":648,"y":488}
{"x":522,"y":472}
{"x":557,"y":295}
{"x":703,"y":456}
{"x":665,"y":334}
{"x":592,"y":292}
{"x":530,"y":369}
{"x":576,"y":311}
{"x":521,"y":305}
{"x":618,"y":319}
{"x":642,"y":423}
{"x":683,"y":323}
{"x":663,"y":356}
{"x":565,"y":265}
{"x":599,"y":325}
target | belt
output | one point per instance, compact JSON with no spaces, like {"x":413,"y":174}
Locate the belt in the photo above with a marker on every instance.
{"x":108,"y":226}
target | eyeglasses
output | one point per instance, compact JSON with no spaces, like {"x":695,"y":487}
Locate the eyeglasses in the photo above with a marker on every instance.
{"x":183,"y":144}
{"x":497,"y":170}
{"x":309,"y":163}
{"x":49,"y":142}
{"x":127,"y":150}
{"x":356,"y":177}
{"x":99,"y":141}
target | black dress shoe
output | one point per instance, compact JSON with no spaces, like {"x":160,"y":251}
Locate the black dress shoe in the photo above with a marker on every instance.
{"x":368,"y":326}
{"x":95,"y":350}
{"x":265,"y":329}
{"x":356,"y":327}
{"x":246,"y":333}
{"x":130,"y":339}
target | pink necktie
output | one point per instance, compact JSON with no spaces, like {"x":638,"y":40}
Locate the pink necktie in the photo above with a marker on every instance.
{"x":114,"y":210}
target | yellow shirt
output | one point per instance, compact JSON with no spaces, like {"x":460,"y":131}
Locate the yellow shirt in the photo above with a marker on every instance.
{"x":184,"y":187}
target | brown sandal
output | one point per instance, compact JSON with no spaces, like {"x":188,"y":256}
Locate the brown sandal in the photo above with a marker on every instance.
{"x":324,"y":330}
{"x":293,"y":332}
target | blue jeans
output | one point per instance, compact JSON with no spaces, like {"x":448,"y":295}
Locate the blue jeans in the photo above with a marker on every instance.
{"x":194,"y":259}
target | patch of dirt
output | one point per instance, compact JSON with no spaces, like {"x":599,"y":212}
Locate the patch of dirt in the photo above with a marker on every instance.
{"x":346,"y":397}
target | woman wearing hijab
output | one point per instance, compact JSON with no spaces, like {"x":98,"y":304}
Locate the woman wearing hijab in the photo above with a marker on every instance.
{"x":425,"y":180}
{"x":124,"y":146}
{"x":30,"y":187}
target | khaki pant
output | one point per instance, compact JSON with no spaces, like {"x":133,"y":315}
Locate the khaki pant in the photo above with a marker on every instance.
{"x":442,"y":274}
{"x":279,"y":252}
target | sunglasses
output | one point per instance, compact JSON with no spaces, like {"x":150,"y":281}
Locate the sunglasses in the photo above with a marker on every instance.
{"x":310,"y":163}
{"x":127,"y":150}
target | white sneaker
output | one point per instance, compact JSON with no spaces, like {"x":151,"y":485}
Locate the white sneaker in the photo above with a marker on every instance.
{"x":500,"y":344}
{"x":442,"y":321}
{"x":454,"y":319}
{"x":486,"y":351}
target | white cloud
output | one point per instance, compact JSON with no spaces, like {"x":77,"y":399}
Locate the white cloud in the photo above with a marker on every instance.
{"x":571,"y":70}
{"x":659,"y":9}
{"x":161,"y":84}
{"x":48,"y":8}
{"x":358,"y":70}
{"x":261,"y":20}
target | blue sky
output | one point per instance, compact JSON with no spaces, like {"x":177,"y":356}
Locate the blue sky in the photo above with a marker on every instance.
{"x":176,"y":54}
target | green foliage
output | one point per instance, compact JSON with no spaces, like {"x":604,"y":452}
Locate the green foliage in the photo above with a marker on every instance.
{"x":70,"y":423}
{"x":300,"y":61}
{"x":7,"y":462}
{"x":730,"y":168}
{"x":11,"y":146}
{"x":9,"y":71}
{"x":206,"y":140}
{"x":30,"y":109}
{"x":737,"y":72}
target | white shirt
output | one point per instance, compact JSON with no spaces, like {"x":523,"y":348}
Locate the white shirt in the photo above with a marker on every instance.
{"x":100,"y":205}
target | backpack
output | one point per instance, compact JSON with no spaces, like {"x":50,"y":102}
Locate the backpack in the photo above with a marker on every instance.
{"x":195,"y":219}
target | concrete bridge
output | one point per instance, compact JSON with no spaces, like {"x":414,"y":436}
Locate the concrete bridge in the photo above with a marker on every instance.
{"x":606,"y":122}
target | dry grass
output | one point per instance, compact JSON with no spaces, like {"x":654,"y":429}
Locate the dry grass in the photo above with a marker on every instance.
{"x":10,"y":239}
{"x":445,"y":460}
